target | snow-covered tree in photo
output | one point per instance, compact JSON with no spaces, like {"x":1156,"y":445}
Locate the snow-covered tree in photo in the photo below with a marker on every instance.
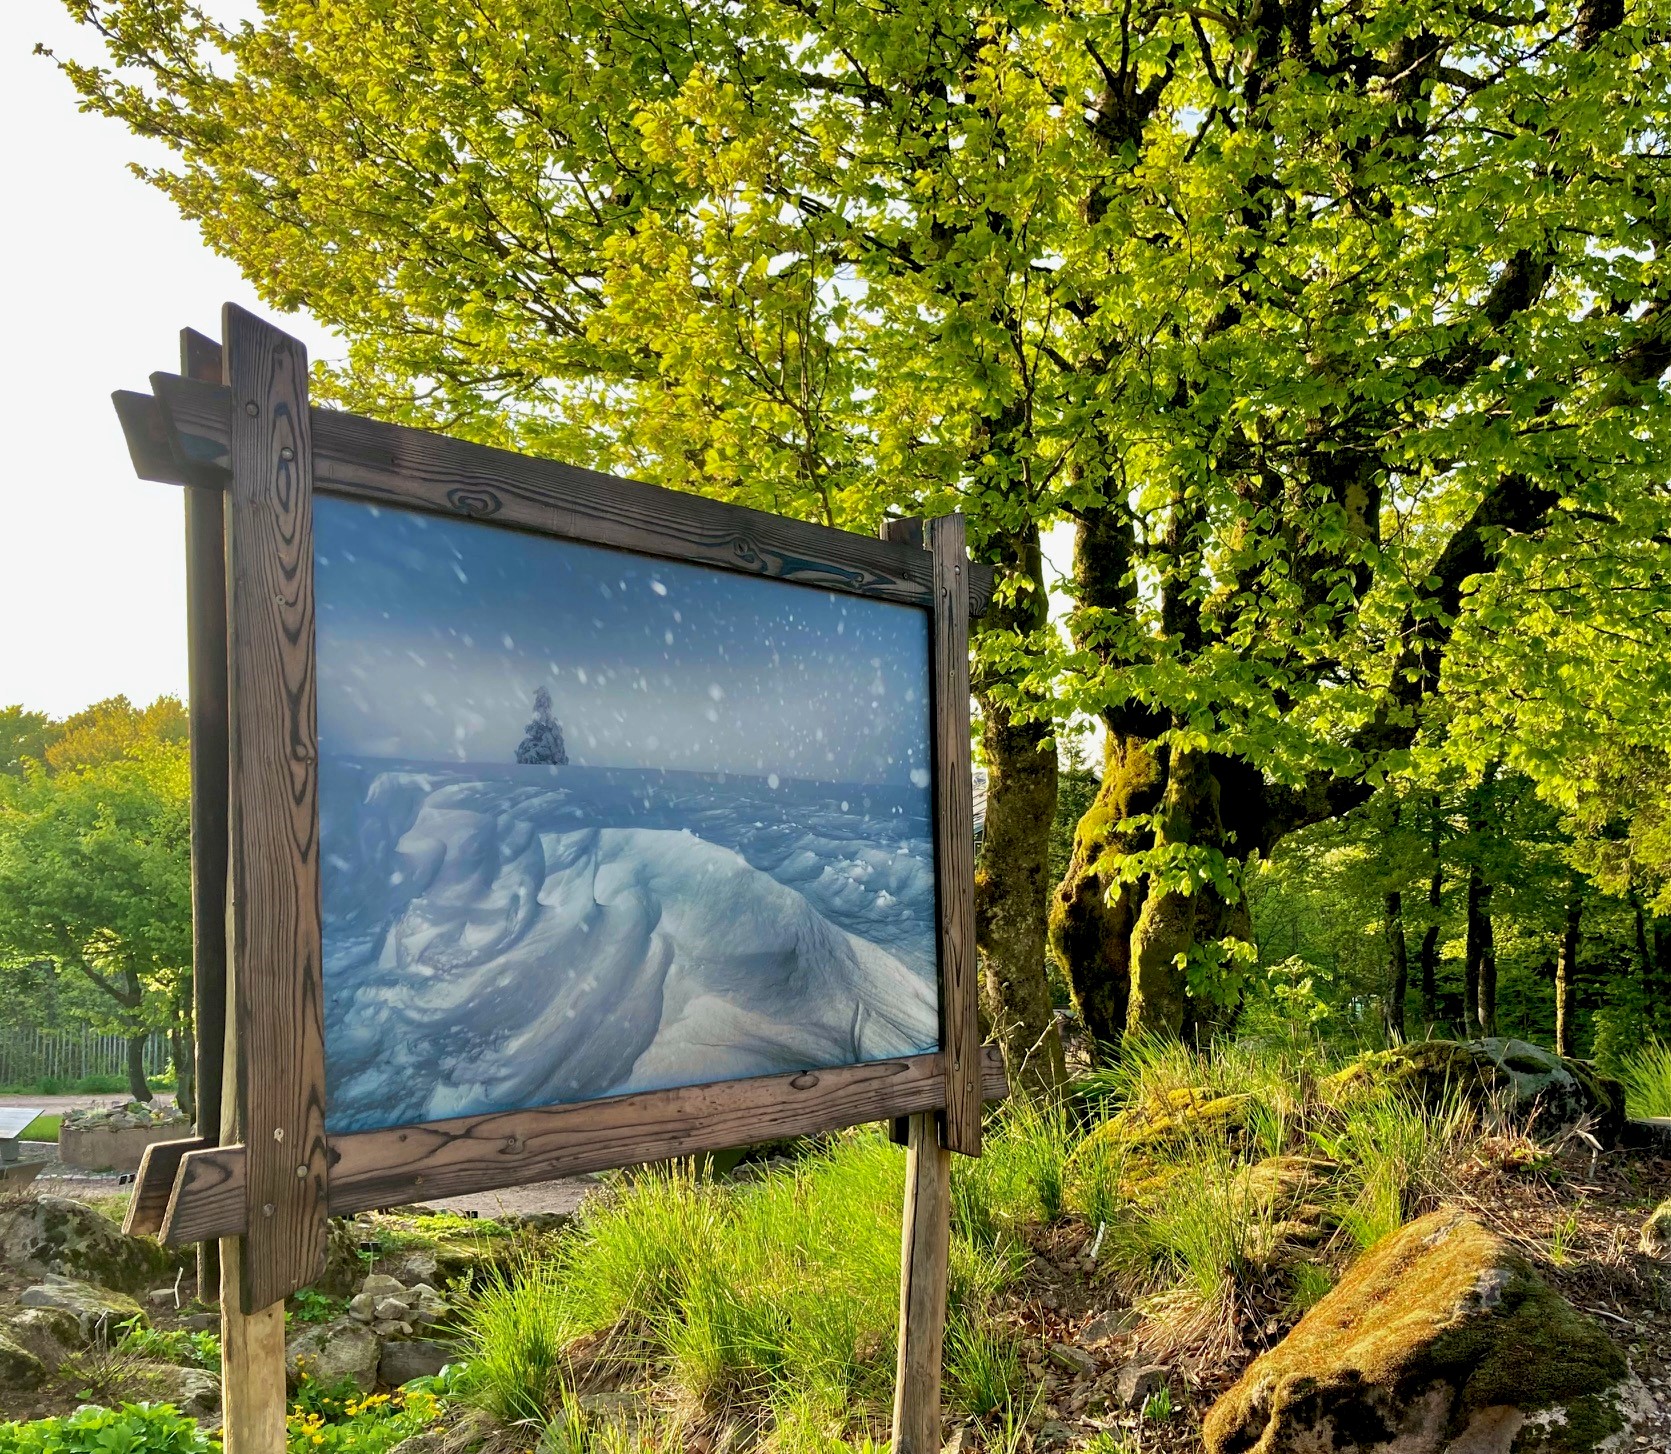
{"x":542,"y":743}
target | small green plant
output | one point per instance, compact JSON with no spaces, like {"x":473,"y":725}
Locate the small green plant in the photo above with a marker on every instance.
{"x":1310,"y":1283}
{"x":42,"y":1128}
{"x":1157,"y":1408}
{"x":1105,"y":1443}
{"x":129,"y":1429}
{"x":309,"y":1305}
{"x":1563,"y":1233}
{"x":169,"y":1345}
{"x":339,"y":1419}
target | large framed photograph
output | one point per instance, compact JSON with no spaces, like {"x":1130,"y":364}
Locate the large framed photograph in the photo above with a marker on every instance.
{"x":594,"y":823}
{"x":568,"y":822}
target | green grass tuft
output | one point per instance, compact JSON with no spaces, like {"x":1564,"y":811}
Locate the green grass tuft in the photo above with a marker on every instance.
{"x":1647,"y":1077}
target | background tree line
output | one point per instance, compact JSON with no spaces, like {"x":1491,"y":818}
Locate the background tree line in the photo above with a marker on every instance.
{"x":1337,"y":334}
{"x":95,"y":875}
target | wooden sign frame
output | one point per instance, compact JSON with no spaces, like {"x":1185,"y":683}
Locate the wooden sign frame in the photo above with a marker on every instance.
{"x":263,"y":1174}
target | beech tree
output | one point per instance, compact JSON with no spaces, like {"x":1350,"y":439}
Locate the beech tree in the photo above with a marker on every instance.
{"x":1315,"y":320}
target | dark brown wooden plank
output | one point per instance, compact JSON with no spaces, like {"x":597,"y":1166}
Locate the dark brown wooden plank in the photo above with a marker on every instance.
{"x":954,"y":836}
{"x":150,"y":437}
{"x":924,"y":1266}
{"x":153,"y":1183}
{"x":275,"y":929}
{"x":387,"y":464}
{"x":205,"y":518}
{"x":483,"y":1153}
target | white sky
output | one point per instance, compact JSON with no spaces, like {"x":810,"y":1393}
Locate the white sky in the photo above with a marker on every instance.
{"x":104,"y":273}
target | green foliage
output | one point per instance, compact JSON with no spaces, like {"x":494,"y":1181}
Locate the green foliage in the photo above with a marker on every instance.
{"x":170,"y":1345}
{"x":341,"y":1420}
{"x":1647,"y":1077}
{"x":42,"y":1128}
{"x":130,"y":1429}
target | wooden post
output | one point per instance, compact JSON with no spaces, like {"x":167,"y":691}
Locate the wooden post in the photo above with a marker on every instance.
{"x":200,"y":358}
{"x":274,"y":1097}
{"x":954,"y":836}
{"x":925,"y":1251}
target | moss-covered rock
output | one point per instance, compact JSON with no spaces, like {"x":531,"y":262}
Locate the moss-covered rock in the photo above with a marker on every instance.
{"x":1187,"y":1114}
{"x":97,"y":1310}
{"x":48,"y":1234}
{"x":1529,"y":1080}
{"x":51,"y":1334}
{"x":19,"y":1368}
{"x":1439,"y":1338}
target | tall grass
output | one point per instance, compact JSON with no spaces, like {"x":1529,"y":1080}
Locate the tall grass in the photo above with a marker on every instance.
{"x":1394,"y":1154}
{"x":1646,"y":1074}
{"x":782,"y":1292}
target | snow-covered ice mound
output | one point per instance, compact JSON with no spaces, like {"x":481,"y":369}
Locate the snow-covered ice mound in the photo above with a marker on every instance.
{"x":489,"y":949}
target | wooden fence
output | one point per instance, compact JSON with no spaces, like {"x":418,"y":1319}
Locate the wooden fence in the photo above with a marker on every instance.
{"x":29,"y":1055}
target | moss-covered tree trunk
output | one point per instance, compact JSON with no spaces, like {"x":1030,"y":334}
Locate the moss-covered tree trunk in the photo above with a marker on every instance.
{"x":1171,"y":922}
{"x":1012,"y":880}
{"x":1430,"y":935}
{"x":1093,"y":914}
{"x":1566,"y":979}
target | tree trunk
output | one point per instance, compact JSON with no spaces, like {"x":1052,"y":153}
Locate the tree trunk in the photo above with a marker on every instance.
{"x":1566,"y":979}
{"x":185,"y":1069}
{"x":1430,"y":935}
{"x":1398,"y":966}
{"x":1172,"y":923}
{"x":137,"y":1088}
{"x":1093,"y":914}
{"x":1480,"y":988}
{"x":1012,"y":881}
{"x":1477,"y":924}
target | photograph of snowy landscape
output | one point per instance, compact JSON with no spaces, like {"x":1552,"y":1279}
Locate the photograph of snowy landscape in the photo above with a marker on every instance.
{"x":594,"y":823}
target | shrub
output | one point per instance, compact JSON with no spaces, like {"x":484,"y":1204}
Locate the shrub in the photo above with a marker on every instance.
{"x":341,"y":1420}
{"x":130,"y":1429}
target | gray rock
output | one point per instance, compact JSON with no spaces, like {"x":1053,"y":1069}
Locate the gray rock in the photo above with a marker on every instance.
{"x":1074,"y":1360}
{"x":19,"y":1368}
{"x":1138,"y":1382}
{"x":97,"y":1310}
{"x":362,"y":1306}
{"x":962,"y":1441}
{"x":201,"y":1322}
{"x":393,"y":1309}
{"x":49,"y":1333}
{"x":411,"y":1358}
{"x":330,"y":1352}
{"x":1053,"y":1434}
{"x":161,"y":1297}
{"x":380,"y":1285}
{"x":49,"y":1234}
{"x":1108,"y":1326}
{"x":391,"y":1329}
{"x":194,"y":1391}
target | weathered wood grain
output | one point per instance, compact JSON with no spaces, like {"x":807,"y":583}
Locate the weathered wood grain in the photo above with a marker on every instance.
{"x":481,"y":1153}
{"x":153,"y":1183}
{"x":273,"y":760}
{"x":253,"y":1404}
{"x":954,"y":836}
{"x":925,"y":1256}
{"x":202,"y":358}
{"x":392,"y":465}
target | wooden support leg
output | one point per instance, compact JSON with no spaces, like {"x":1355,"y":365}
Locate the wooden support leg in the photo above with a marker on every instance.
{"x":251,"y":1365}
{"x":926,"y":1250}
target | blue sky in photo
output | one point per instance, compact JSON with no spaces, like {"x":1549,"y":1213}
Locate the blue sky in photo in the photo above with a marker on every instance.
{"x":433,"y":635}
